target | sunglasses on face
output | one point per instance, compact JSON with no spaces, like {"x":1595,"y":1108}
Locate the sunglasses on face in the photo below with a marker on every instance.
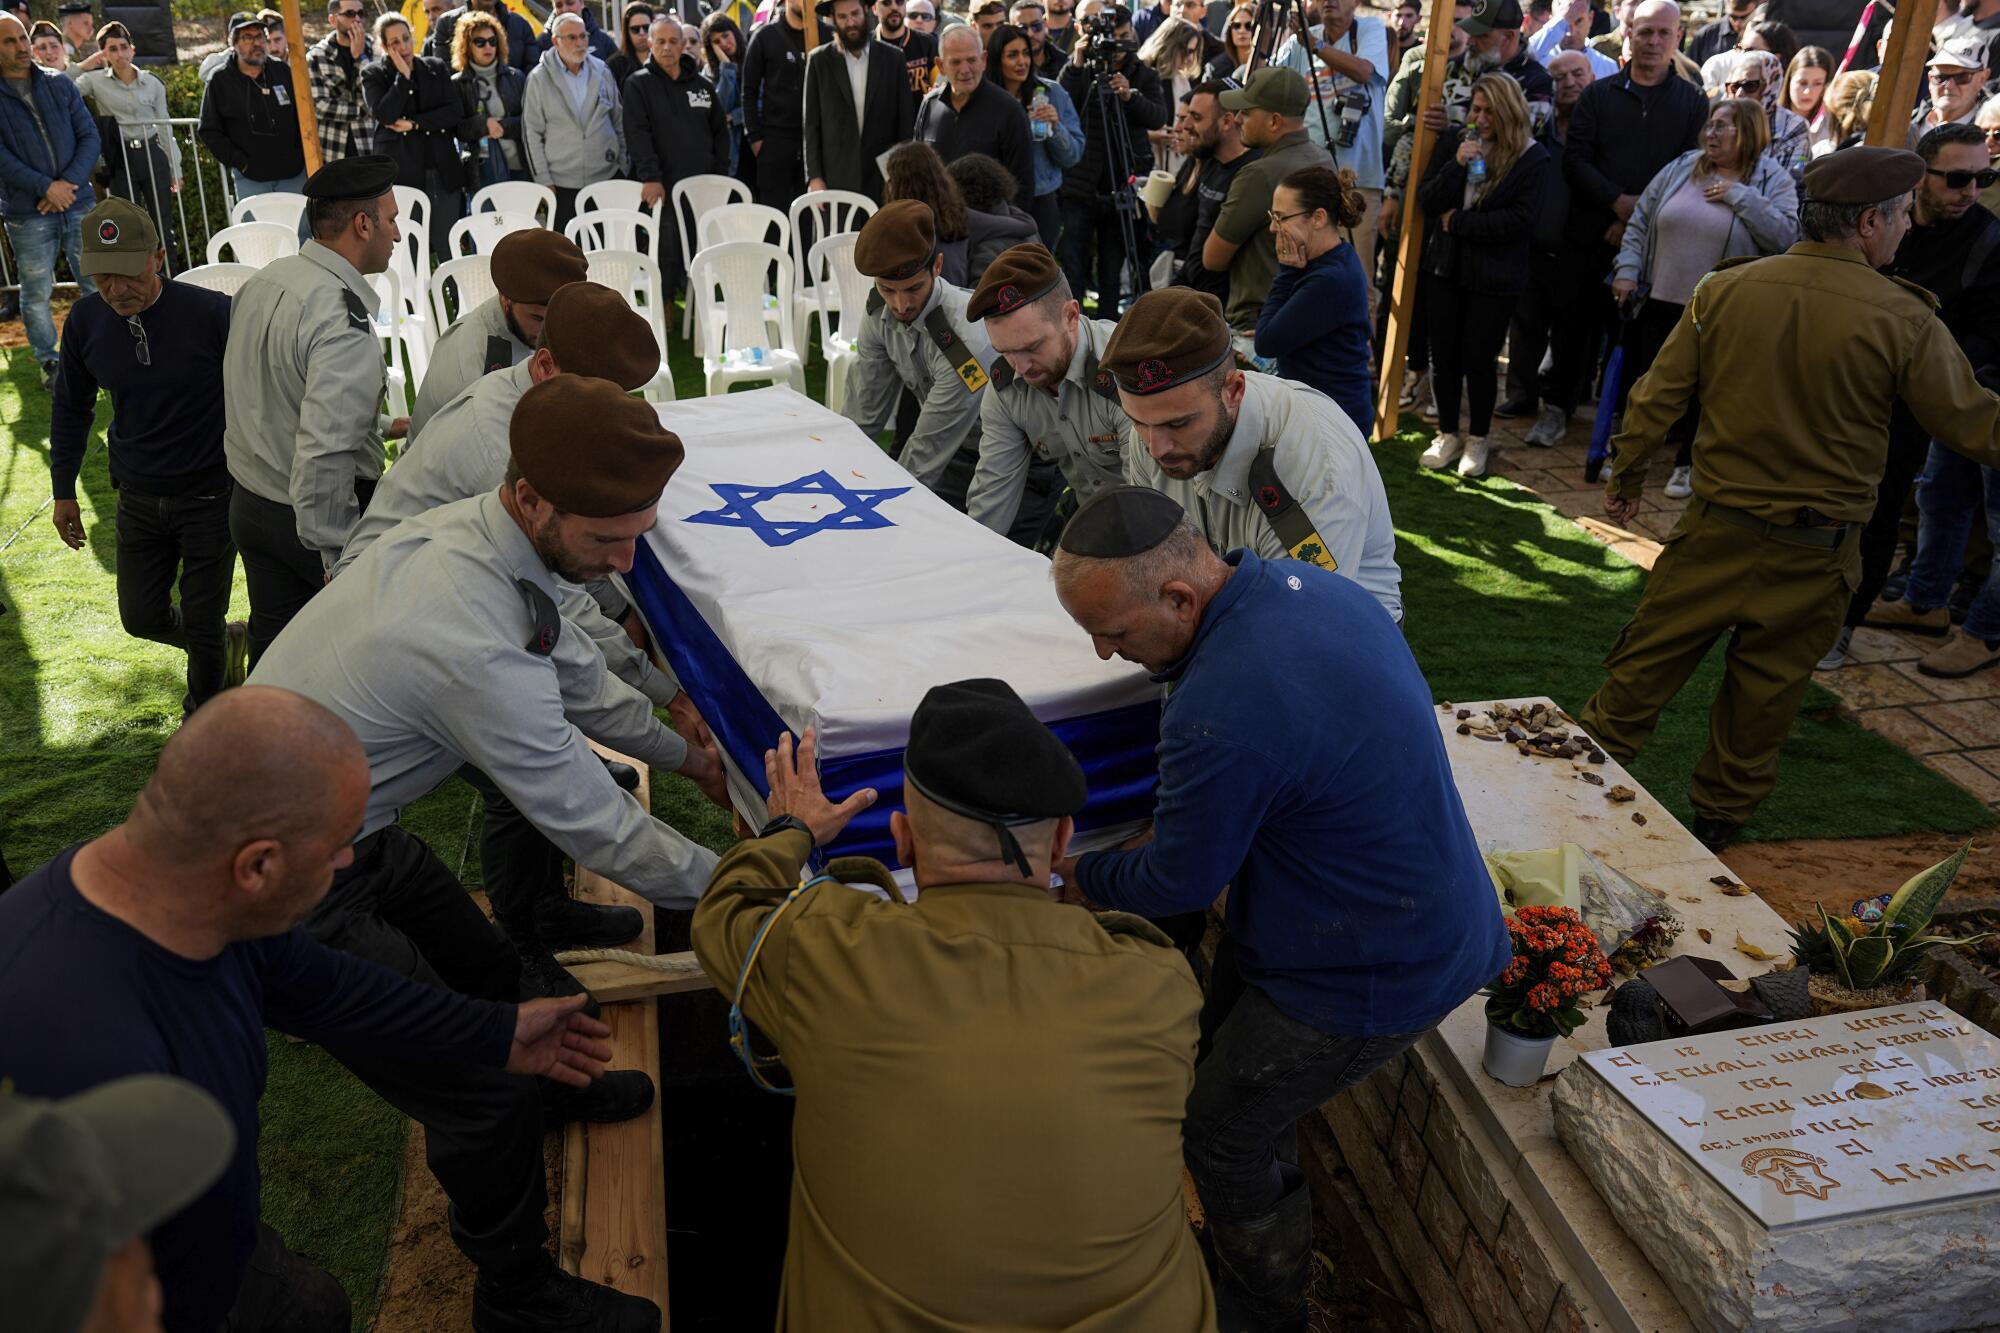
{"x":1061,"y":11}
{"x":484,"y":41}
{"x":1958,"y":80}
{"x":1745,"y":86}
{"x":1242,"y":27}
{"x":1958,"y":180}
{"x":639,"y":29}
{"x":352,"y":13}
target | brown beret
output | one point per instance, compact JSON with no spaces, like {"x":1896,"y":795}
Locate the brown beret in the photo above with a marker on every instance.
{"x":1863,"y":175}
{"x":898,"y":242}
{"x":1017,"y":277}
{"x":529,"y":265}
{"x":1168,"y":338}
{"x":590,"y":330}
{"x":591,"y":450}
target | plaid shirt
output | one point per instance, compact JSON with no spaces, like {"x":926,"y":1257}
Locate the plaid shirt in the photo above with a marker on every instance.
{"x":346,"y":125}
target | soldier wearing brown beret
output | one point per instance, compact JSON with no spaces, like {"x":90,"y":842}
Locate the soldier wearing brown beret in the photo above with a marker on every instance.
{"x":1796,"y":359}
{"x":915,"y":335}
{"x":1257,"y":461}
{"x":1041,"y":425}
{"x":528,"y":268}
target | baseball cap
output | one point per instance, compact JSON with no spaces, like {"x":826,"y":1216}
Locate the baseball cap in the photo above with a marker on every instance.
{"x":1487,"y":15}
{"x":118,"y":238}
{"x":1960,"y":53}
{"x":1277,"y":88}
{"x":82,"y":1176}
{"x":243,"y":19}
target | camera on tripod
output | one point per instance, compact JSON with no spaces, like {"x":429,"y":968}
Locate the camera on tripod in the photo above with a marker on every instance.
{"x":1101,"y":50}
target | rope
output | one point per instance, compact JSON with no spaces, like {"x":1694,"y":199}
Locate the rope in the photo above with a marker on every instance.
{"x":653,"y":962}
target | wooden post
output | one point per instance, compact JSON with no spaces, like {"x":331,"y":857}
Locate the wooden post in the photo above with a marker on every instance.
{"x":295,"y":44}
{"x":1410,"y":243}
{"x":1901,"y":74}
{"x":812,"y":23}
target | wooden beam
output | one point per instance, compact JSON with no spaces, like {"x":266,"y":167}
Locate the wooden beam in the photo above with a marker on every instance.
{"x":1410,"y":243}
{"x":623,"y":1216}
{"x":621,"y":983}
{"x":295,"y":47}
{"x":1902,"y":73}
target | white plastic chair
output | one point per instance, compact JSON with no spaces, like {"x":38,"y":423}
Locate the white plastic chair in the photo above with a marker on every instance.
{"x":253,"y":243}
{"x":413,"y":252}
{"x":225,"y":278}
{"x":284,"y":208}
{"x":814,"y":217}
{"x":398,"y":332}
{"x":735,"y":277}
{"x":468,"y":280}
{"x":611,"y":194}
{"x":843,"y":303}
{"x":478,"y":234}
{"x":636,"y":277}
{"x":616,"y":229}
{"x":744,"y":222}
{"x":524,"y":197}
{"x":692,"y":198}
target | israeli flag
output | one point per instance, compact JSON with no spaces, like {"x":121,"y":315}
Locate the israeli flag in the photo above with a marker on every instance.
{"x":800,"y":577}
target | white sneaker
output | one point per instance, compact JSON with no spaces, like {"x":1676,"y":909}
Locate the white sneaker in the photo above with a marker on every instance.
{"x":1429,"y":411}
{"x":1416,"y":387}
{"x":1836,"y":656}
{"x":1680,"y":485}
{"x":1549,"y":428}
{"x":1473,"y":463}
{"x":1444,"y":451}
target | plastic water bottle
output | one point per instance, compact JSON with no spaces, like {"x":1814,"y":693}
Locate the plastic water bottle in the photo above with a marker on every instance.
{"x":1038,"y":128}
{"x":756,"y":356}
{"x":1476,"y":171}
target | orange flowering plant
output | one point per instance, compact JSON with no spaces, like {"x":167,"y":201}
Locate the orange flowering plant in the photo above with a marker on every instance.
{"x":1557,"y":962}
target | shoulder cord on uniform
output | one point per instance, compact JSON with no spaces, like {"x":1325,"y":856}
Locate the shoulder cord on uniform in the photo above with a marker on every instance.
{"x":739,"y":1031}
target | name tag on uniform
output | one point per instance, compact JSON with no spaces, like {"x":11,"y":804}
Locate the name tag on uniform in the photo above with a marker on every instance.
{"x":283,"y":94}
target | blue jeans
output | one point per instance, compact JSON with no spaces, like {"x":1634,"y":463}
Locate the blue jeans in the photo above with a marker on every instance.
{"x":36,"y":241}
{"x":1259,"y":1071}
{"x":245,"y":187}
{"x":1947,"y":492}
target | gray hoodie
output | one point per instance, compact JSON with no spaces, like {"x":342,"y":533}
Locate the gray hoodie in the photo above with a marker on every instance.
{"x":565,"y":149}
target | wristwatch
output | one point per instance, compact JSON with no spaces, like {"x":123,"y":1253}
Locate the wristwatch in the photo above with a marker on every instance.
{"x":783,"y":822}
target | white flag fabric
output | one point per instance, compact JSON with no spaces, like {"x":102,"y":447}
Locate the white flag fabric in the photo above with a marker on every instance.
{"x":798,"y":576}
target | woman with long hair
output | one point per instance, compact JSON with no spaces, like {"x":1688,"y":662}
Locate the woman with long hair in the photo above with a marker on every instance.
{"x":1315,"y":321}
{"x":721,"y":43}
{"x":1727,"y":198}
{"x":1239,"y":34}
{"x":967,"y":237}
{"x":1849,"y":98}
{"x":1481,"y":194}
{"x":420,"y":118}
{"x":1174,"y":52}
{"x":1052,"y":121}
{"x":489,"y":88}
{"x":635,"y":27}
{"x":1804,"y":95}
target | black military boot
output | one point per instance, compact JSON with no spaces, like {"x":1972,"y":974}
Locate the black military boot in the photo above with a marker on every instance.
{"x":551,"y":1301}
{"x":1263,"y":1265}
{"x":564,"y":923}
{"x":1714,"y":833}
{"x":617,"y":1096}
{"x":542,"y":976}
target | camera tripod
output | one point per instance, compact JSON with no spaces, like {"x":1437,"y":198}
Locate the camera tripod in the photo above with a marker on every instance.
{"x":1273,"y":21}
{"x":1124,"y":197}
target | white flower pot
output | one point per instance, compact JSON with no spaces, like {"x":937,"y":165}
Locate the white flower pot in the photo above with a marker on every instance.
{"x":1515,"y":1060}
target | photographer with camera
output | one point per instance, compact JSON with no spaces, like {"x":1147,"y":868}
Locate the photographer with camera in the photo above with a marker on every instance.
{"x":1344,"y":59}
{"x":1118,"y":99}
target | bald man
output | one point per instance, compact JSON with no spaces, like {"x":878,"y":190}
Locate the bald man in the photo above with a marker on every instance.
{"x":170,"y":943}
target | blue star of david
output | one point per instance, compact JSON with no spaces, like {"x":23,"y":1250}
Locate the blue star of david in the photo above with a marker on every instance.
{"x":857,"y":511}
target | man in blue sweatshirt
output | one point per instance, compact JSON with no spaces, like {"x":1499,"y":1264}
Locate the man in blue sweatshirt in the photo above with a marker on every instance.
{"x":48,"y":144}
{"x":1301,"y":768}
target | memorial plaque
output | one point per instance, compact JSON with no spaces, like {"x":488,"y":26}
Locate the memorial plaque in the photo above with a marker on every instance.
{"x":1830,"y":1118}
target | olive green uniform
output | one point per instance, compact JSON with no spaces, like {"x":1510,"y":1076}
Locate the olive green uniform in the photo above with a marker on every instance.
{"x":990,"y":1094}
{"x":1796,"y":359}
{"x":1085,"y":434}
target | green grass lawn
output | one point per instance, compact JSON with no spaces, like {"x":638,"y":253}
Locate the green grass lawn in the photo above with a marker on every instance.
{"x":1506,"y":598}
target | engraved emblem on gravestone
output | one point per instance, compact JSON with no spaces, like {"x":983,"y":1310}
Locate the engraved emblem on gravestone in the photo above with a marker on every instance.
{"x":1792,"y":1171}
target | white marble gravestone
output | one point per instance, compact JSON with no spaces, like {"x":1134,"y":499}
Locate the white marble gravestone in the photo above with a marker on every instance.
{"x":1836,"y":1173}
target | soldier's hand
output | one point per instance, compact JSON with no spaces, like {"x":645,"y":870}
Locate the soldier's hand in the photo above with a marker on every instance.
{"x":703,"y":767}
{"x":68,"y":519}
{"x":1620,"y":511}
{"x":795,"y":790}
{"x":554,"y":1039}
{"x":689,"y":723}
{"x":398,"y":428}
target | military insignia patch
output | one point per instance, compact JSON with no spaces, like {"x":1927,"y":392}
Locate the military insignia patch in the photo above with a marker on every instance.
{"x":107,"y":231}
{"x":1152,"y":374}
{"x":1007,"y":299}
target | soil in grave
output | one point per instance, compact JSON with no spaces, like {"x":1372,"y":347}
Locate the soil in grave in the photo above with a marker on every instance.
{"x":1835,"y":872}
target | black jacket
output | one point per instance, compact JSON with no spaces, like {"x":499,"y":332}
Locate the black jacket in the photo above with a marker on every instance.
{"x":426,"y":97}
{"x":774,"y":81}
{"x":1486,"y":250}
{"x":252,"y":125}
{"x":675,"y":127}
{"x":1620,"y":135}
{"x":602,"y":44}
{"x":836,"y":151}
{"x":1146,"y":110}
{"x":992,"y":123}
{"x":523,"y":50}
{"x":987,"y":235}
{"x":623,"y":67}
{"x":511,"y":83}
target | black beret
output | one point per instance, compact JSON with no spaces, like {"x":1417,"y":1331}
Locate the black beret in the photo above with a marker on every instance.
{"x":590,"y":449}
{"x":1168,"y":338}
{"x":1016,"y":277}
{"x":74,"y":7}
{"x":529,"y":265}
{"x":592,"y":331}
{"x":1863,"y":175}
{"x":898,"y":242}
{"x":976,"y":750}
{"x":1122,"y":521}
{"x":368,"y":176}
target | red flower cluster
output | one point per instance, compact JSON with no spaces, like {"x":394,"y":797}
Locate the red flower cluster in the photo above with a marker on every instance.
{"x":1556,"y":962}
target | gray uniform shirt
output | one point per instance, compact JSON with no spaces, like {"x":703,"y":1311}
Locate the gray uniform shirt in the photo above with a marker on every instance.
{"x":145,"y":98}
{"x":302,"y":389}
{"x":1324,"y":463}
{"x":460,"y":357}
{"x":892,"y":356}
{"x":466,"y":454}
{"x":1085,"y":434}
{"x":420,"y":647}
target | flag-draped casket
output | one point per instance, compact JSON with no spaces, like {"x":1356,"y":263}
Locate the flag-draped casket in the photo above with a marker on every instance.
{"x":798,"y":576}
